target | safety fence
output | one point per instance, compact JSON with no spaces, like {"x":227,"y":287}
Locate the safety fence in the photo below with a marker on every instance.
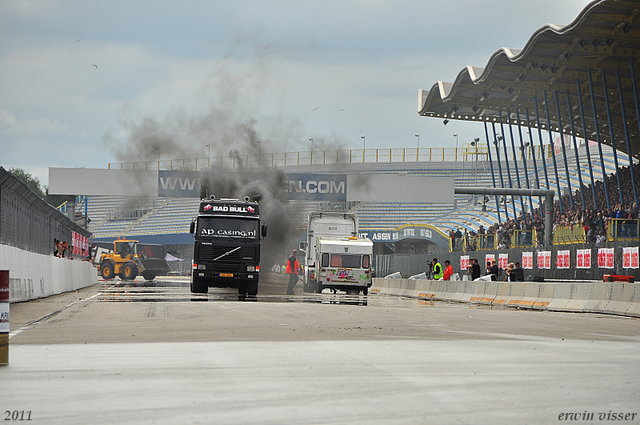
{"x":29,"y":223}
{"x":481,"y":242}
{"x":580,"y":261}
{"x":623,"y":229}
{"x":617,"y":230}
{"x":465,"y":154}
{"x":569,"y":234}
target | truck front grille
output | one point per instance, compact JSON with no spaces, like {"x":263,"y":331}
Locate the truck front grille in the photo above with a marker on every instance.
{"x":243,"y":255}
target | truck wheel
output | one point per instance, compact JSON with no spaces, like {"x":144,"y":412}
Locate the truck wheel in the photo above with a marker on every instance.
{"x":242,"y":288}
{"x":148,"y":275}
{"x":198,"y":287}
{"x":129,"y":270}
{"x":353,"y":291}
{"x":252,"y":288}
{"x":319,"y":288}
{"x":107,"y":270}
{"x":365,"y":291}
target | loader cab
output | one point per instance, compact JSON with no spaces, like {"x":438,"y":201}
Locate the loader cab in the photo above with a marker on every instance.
{"x":125,"y":248}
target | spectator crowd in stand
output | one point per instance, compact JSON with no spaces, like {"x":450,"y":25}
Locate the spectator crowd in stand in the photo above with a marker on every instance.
{"x":595,"y":221}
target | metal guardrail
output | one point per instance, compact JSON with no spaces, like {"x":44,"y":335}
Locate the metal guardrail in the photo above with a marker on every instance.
{"x":474,"y":243}
{"x":464,"y":154}
{"x":524,"y":238}
{"x":519,"y":239}
{"x":567,"y":235}
{"x":618,"y":230}
{"x":622,"y":229}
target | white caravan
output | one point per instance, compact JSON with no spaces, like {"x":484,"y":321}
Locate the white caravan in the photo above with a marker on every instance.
{"x":335,"y":257}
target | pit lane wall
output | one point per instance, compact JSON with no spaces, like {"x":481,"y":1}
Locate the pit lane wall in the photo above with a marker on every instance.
{"x":33,"y":275}
{"x":619,"y":298}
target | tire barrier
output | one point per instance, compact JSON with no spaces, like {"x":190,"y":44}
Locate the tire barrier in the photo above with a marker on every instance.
{"x":618,"y":298}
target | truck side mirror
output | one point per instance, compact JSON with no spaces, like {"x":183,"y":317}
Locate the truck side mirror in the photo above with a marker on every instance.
{"x":264,"y":231}
{"x":192,"y":227}
{"x":302,"y":246}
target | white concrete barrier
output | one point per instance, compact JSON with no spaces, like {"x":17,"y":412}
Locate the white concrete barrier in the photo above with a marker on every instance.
{"x":593,"y":297}
{"x":530,"y":295}
{"x":516,"y":294}
{"x":634,"y":308}
{"x":580,"y":294}
{"x":561,"y":297}
{"x":502,"y":294}
{"x":545,"y":296}
{"x":33,"y":276}
{"x":624,"y":296}
{"x":599,"y":297}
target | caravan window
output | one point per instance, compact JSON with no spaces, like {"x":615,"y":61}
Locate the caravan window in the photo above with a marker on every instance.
{"x":349,"y":261}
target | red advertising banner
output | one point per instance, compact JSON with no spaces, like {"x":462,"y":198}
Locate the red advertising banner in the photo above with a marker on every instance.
{"x":464,"y":262}
{"x":563,"y":260}
{"x":630,"y":257}
{"x":527,"y":260}
{"x":489,"y":257}
{"x":583,"y":258}
{"x":544,"y":259}
{"x":503,"y":261}
{"x":80,"y":243}
{"x":605,"y":258}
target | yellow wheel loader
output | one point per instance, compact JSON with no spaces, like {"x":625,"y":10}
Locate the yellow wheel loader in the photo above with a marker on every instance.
{"x":131,"y":258}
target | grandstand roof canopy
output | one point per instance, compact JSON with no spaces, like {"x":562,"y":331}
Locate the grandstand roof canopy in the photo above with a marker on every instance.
{"x":556,"y":63}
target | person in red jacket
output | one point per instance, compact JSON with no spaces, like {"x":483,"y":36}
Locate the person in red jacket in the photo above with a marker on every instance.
{"x":292,"y":270}
{"x":448,"y":270}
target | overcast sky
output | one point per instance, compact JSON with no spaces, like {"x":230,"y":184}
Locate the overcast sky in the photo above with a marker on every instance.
{"x":86,"y":83}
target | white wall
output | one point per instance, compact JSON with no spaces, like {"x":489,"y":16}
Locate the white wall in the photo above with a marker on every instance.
{"x":400,"y":188}
{"x":93,"y":181}
{"x":34,"y":276}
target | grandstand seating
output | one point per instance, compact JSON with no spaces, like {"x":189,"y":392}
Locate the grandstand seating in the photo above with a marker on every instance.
{"x":166,"y":216}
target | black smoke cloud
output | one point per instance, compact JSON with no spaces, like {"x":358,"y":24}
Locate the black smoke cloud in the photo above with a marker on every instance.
{"x":266,"y":187}
{"x":225,"y":129}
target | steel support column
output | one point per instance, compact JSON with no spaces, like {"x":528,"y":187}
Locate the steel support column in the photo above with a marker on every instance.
{"x":564,"y":149}
{"x":626,"y":136}
{"x":586,"y":145}
{"x":613,"y":142}
{"x":524,"y":159}
{"x":533,"y":157}
{"x":553,"y":149}
{"x":506,"y":159}
{"x":515,"y":157}
{"x":544,"y":160}
{"x":597,"y":129}
{"x":493,"y":174}
{"x":635,"y":93}
{"x":575,"y":150}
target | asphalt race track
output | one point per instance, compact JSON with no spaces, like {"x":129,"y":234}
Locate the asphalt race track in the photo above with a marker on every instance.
{"x":151,"y":352}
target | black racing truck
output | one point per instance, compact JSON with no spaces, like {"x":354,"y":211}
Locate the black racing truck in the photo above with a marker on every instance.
{"x":226,"y":251}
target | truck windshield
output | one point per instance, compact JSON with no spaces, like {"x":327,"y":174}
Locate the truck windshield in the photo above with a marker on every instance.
{"x":220,"y":227}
